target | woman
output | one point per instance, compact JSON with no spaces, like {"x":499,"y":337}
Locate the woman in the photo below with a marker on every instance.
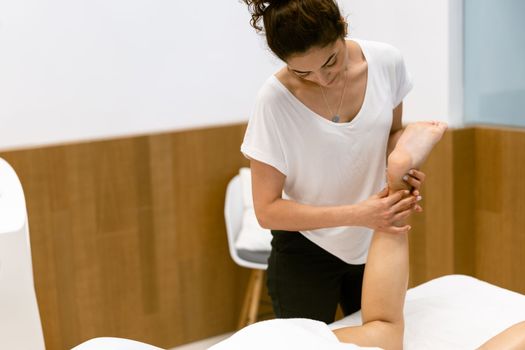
{"x":317,"y":142}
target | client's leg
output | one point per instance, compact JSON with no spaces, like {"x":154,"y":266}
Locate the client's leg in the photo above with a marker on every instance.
{"x":513,"y":338}
{"x":384,"y":287}
{"x":386,"y":272}
{"x":411,"y":150}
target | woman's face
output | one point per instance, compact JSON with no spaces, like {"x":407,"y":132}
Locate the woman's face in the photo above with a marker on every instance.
{"x":323,"y":66}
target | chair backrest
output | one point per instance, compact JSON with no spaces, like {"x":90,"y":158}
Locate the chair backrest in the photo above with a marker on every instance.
{"x":20,"y":326}
{"x":233,"y":210}
{"x":233,"y":213}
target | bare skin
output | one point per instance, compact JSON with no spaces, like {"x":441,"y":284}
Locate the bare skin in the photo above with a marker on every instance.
{"x":384,"y":289}
{"x":513,"y":338}
{"x":412,"y":149}
{"x":345,"y":62}
{"x":386,"y":273}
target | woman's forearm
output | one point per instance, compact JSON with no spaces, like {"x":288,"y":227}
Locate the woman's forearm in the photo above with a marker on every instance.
{"x":288,"y":215}
{"x":396,"y":129}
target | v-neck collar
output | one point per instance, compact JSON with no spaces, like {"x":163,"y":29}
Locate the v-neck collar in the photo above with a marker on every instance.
{"x":297,"y":101}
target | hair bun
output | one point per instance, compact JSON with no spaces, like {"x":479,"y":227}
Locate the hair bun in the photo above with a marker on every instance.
{"x":265,"y":3}
{"x":258,"y":8}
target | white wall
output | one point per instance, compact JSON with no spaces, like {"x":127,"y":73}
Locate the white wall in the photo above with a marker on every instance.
{"x":88,"y":69}
{"x":84,"y":69}
{"x":429,"y":34}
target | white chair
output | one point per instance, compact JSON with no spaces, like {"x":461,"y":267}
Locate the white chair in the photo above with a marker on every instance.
{"x":254,"y":260}
{"x":20,"y":326}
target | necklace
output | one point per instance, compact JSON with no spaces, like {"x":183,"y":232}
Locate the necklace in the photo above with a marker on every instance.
{"x":336,"y":116}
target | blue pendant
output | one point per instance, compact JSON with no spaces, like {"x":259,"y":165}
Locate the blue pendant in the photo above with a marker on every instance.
{"x":335,"y":119}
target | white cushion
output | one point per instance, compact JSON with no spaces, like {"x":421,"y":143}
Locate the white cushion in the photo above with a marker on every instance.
{"x":252,"y":235}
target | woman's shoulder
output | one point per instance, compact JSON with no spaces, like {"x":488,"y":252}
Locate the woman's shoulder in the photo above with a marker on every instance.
{"x":273,"y":92}
{"x":380,"y":51}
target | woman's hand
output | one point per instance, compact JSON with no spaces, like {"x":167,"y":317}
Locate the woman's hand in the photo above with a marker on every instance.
{"x":415,"y":179}
{"x":381,"y":211}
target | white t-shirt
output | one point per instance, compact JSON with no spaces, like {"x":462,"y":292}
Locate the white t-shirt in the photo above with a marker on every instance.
{"x":327,"y":163}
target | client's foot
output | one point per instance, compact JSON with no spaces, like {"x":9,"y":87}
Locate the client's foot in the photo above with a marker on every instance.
{"x":412,"y":149}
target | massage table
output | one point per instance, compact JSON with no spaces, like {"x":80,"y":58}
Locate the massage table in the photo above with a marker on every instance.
{"x":450,"y":312}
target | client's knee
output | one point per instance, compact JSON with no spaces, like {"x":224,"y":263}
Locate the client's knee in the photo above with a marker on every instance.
{"x":391,"y":333}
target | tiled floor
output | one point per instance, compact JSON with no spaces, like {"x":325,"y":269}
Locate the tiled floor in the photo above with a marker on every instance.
{"x":203,"y":344}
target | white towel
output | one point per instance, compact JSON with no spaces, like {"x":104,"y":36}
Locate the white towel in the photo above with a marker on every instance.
{"x":285,"y":334}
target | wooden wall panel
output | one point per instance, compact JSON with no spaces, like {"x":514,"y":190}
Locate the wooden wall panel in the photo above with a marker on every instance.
{"x":463,"y":201}
{"x":128,"y":236}
{"x":443,"y":237}
{"x":474,"y":219}
{"x":431,"y":238}
{"x":500,"y":207}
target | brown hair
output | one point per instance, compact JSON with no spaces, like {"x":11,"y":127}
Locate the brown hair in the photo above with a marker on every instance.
{"x":294,"y":26}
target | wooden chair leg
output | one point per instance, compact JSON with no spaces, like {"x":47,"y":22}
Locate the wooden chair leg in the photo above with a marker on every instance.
{"x":256,"y":296}
{"x":246,"y":303}
{"x":252,"y":297}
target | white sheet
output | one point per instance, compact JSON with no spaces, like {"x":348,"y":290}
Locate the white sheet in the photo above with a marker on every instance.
{"x":292,"y":333}
{"x":450,"y":312}
{"x":454,"y":312}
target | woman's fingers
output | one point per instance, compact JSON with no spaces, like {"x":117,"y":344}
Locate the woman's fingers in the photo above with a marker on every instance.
{"x":404,"y":204}
{"x":418,"y":174}
{"x":401,"y":208}
{"x":412,"y":181}
{"x":414,"y":178}
{"x":396,"y":197}
{"x":383,"y":193}
{"x":403,"y":215}
{"x":395,"y":229}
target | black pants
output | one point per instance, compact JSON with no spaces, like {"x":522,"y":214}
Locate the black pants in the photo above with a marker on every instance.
{"x":306,"y":281}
